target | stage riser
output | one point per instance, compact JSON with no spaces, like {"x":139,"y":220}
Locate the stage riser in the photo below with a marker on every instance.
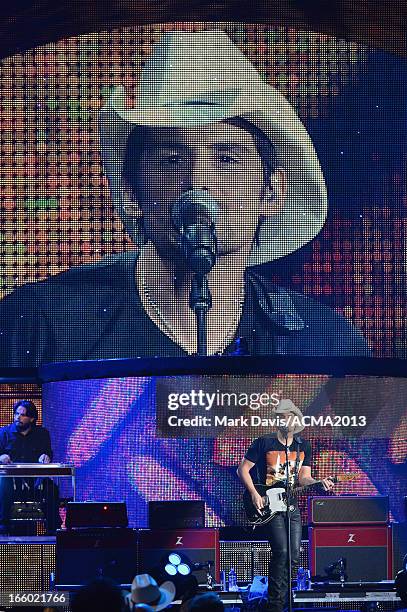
{"x":348,"y":604}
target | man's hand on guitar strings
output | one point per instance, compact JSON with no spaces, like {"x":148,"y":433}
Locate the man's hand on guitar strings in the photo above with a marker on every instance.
{"x":257,"y":500}
{"x":327,"y":484}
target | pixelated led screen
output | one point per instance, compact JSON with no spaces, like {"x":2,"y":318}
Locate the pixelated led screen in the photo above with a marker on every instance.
{"x":57,"y":210}
{"x":107,"y":428}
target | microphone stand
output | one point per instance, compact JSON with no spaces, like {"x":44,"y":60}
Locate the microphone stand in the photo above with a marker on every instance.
{"x":289,"y":497}
{"x":194,"y":216}
{"x":200,"y":300}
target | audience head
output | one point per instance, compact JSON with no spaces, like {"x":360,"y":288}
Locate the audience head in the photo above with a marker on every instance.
{"x":101,"y":594}
{"x":206,"y":602}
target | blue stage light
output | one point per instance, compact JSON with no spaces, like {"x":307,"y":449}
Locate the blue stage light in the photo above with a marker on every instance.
{"x":174,"y":558}
{"x":184,"y":569}
{"x":171,"y":569}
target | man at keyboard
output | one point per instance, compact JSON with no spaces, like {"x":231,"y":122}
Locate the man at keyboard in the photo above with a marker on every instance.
{"x":23,"y":441}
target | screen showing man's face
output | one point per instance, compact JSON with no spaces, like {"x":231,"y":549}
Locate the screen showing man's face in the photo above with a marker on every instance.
{"x":339,"y":290}
{"x":219,"y":158}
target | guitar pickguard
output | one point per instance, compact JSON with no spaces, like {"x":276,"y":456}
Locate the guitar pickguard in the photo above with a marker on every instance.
{"x":276,"y":500}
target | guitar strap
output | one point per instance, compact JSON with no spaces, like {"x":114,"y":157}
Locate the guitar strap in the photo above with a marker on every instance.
{"x":297,"y":463}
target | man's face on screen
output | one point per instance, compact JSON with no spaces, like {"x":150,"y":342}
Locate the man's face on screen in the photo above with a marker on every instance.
{"x":220,"y":158}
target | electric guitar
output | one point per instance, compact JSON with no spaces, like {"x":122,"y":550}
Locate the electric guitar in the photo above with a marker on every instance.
{"x":275,"y":500}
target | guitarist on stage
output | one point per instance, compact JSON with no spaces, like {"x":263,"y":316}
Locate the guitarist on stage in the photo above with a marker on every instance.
{"x":265,"y":463}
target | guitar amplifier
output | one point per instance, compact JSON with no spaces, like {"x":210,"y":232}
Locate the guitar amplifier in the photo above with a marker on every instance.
{"x":85,"y":554}
{"x":194,"y":545}
{"x":367,"y":551}
{"x":399,"y":545}
{"x":96,"y":514}
{"x":176,"y":514}
{"x":349,"y":509}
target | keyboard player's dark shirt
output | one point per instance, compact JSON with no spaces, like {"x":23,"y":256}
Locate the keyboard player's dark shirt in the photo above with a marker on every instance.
{"x":26,"y":448}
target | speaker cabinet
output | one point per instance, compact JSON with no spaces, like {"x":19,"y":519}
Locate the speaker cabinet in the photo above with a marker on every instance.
{"x":367,"y":550}
{"x":399,"y":531}
{"x":26,"y":565}
{"x":85,"y":554}
{"x":349,"y":509}
{"x":196,"y":545}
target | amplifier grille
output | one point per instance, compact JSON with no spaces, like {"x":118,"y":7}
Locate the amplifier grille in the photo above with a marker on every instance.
{"x":24,"y":566}
{"x":239,"y":556}
{"x":251,"y":558}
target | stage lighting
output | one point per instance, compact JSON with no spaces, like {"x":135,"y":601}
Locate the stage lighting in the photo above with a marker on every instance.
{"x":174,"y":558}
{"x":171,"y":569}
{"x":178,"y":568}
{"x":184,"y":569}
{"x":175,"y":564}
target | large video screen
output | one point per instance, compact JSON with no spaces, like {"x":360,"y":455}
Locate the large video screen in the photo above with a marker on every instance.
{"x":109,"y":428}
{"x":291,"y":146}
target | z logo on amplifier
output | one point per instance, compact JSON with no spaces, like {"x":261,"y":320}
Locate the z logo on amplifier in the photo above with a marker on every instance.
{"x":351,"y":537}
{"x":179,"y":541}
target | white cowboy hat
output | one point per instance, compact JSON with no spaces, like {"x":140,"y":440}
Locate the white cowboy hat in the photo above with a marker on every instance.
{"x":145,"y":590}
{"x":192,"y":79}
{"x":285,"y":407}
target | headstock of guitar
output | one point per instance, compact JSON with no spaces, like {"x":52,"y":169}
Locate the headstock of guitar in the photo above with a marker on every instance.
{"x":345,"y":477}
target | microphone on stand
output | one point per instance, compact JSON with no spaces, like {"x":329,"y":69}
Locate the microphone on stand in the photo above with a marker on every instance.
{"x":194,"y":216}
{"x":284,"y":432}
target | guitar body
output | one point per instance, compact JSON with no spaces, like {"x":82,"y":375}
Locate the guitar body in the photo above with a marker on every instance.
{"x":274,"y":501}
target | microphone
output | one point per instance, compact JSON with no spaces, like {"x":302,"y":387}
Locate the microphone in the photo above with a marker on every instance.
{"x":284,"y":430}
{"x":194,"y":216}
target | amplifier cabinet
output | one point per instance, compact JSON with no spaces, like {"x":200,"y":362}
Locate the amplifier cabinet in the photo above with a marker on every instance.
{"x":399,"y":544}
{"x":349,"y":509}
{"x":176,"y":514}
{"x":85,"y":554}
{"x":367,"y":550}
{"x":26,"y":565}
{"x":196,"y":545}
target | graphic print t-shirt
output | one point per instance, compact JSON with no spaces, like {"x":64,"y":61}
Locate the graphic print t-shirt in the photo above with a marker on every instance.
{"x":269,"y":456}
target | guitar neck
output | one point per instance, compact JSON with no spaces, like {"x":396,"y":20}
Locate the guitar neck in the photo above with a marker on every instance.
{"x":334,"y":479}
